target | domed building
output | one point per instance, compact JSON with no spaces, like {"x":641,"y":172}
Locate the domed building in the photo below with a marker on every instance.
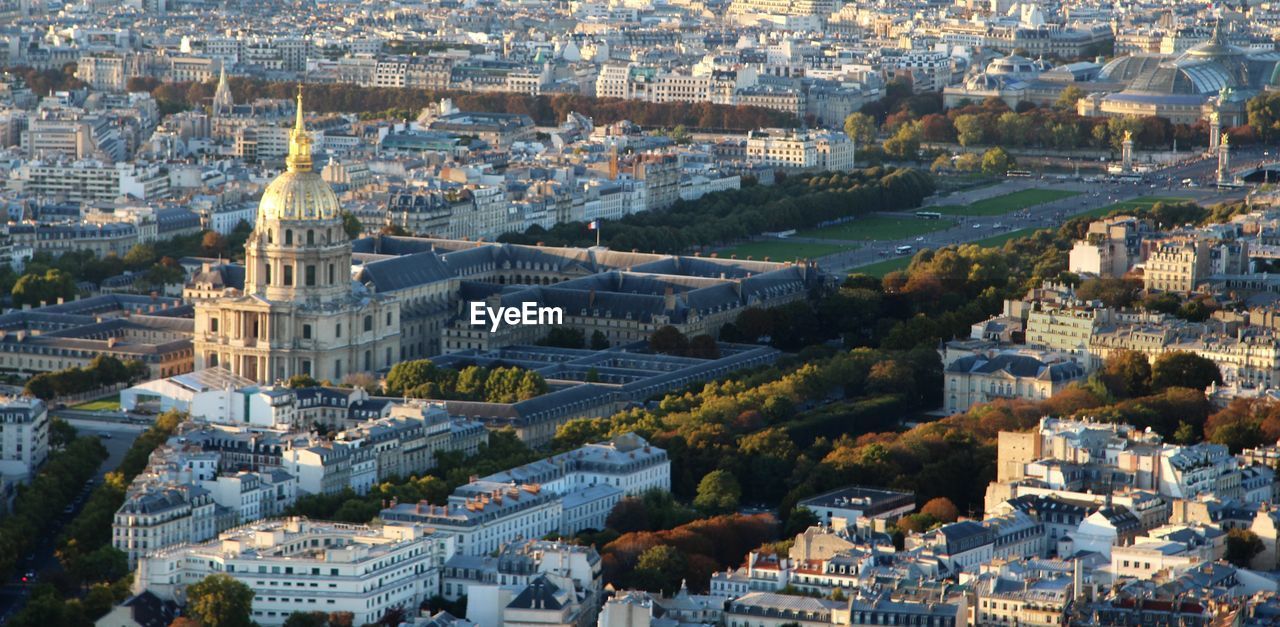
{"x":1013,"y":79}
{"x":299,"y":311}
{"x":1178,"y":88}
{"x":1016,"y":67}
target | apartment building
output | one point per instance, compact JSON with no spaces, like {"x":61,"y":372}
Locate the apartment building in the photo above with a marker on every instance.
{"x":563,"y":494}
{"x":24,"y":437}
{"x":518,"y":564}
{"x":801,"y":150}
{"x":1068,"y":329}
{"x":1111,"y":247}
{"x":154,"y":517}
{"x":1176,"y":267}
{"x":103,"y":73}
{"x":88,"y":180}
{"x":297,"y":565}
{"x":1036,"y":603}
{"x":991,"y":375}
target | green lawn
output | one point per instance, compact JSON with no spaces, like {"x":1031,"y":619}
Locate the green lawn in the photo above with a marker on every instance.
{"x":1000,"y":205}
{"x":110,"y":403}
{"x":783,"y":250}
{"x":1143,"y":202}
{"x":878,"y":228}
{"x":881,"y":268}
{"x":999,"y":240}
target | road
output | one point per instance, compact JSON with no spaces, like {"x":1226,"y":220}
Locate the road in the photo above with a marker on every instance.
{"x":13,"y":594}
{"x":1167,"y":182}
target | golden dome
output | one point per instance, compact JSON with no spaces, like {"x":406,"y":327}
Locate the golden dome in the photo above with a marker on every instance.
{"x":299,"y":193}
{"x":298,"y":196}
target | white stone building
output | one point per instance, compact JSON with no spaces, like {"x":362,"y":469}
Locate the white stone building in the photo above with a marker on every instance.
{"x":24,"y":437}
{"x":297,"y":565}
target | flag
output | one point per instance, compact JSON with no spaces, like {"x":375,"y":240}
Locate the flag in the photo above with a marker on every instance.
{"x":594,"y":225}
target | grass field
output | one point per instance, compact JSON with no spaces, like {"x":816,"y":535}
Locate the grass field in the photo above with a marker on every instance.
{"x":1000,"y":205}
{"x":878,"y":228}
{"x":782,"y":250}
{"x":110,"y":403}
{"x":1129,"y":205}
{"x":881,"y":268}
{"x":999,"y":240}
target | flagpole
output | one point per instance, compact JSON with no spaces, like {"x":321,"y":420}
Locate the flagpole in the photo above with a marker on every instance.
{"x":597,"y":234}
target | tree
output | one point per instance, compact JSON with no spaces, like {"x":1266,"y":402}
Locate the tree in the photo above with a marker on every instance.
{"x":108,"y":370}
{"x":1242,"y":546}
{"x":1264,"y":115}
{"x":1117,"y":126}
{"x":599,"y":341}
{"x":1239,"y":435}
{"x":1127,"y":374}
{"x":680,"y":134}
{"x":407,"y":375}
{"x":660,"y":568}
{"x":630,"y":514}
{"x":471,"y":382}
{"x":703,"y":347}
{"x":936,"y":127}
{"x":970,"y":130}
{"x":891,"y":377}
{"x":1067,"y":99}
{"x":1183,"y":369}
{"x":564,"y":337}
{"x":668,"y":340}
{"x":995,"y":161}
{"x":307,"y":619}
{"x":140,"y":256}
{"x":213,"y":243}
{"x":718,"y":492}
{"x":941,"y":508}
{"x":1015,"y":129}
{"x":351,"y":225}
{"x":969,"y":162}
{"x":1113,"y":292}
{"x":801,"y":518}
{"x":861,"y":128}
{"x":36,"y":289}
{"x":905,"y":143}
{"x":1164,"y":302}
{"x":531,"y":385}
{"x":61,"y":433}
{"x":220,"y":601}
{"x":301,"y":381}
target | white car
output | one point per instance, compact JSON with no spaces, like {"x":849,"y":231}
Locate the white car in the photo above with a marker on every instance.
{"x":920,"y":239}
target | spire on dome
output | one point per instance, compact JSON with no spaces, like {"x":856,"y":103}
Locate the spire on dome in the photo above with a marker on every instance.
{"x":299,"y":159}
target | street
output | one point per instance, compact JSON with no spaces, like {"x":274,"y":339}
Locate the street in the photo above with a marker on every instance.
{"x":13,"y":593}
{"x":1166,"y":182}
